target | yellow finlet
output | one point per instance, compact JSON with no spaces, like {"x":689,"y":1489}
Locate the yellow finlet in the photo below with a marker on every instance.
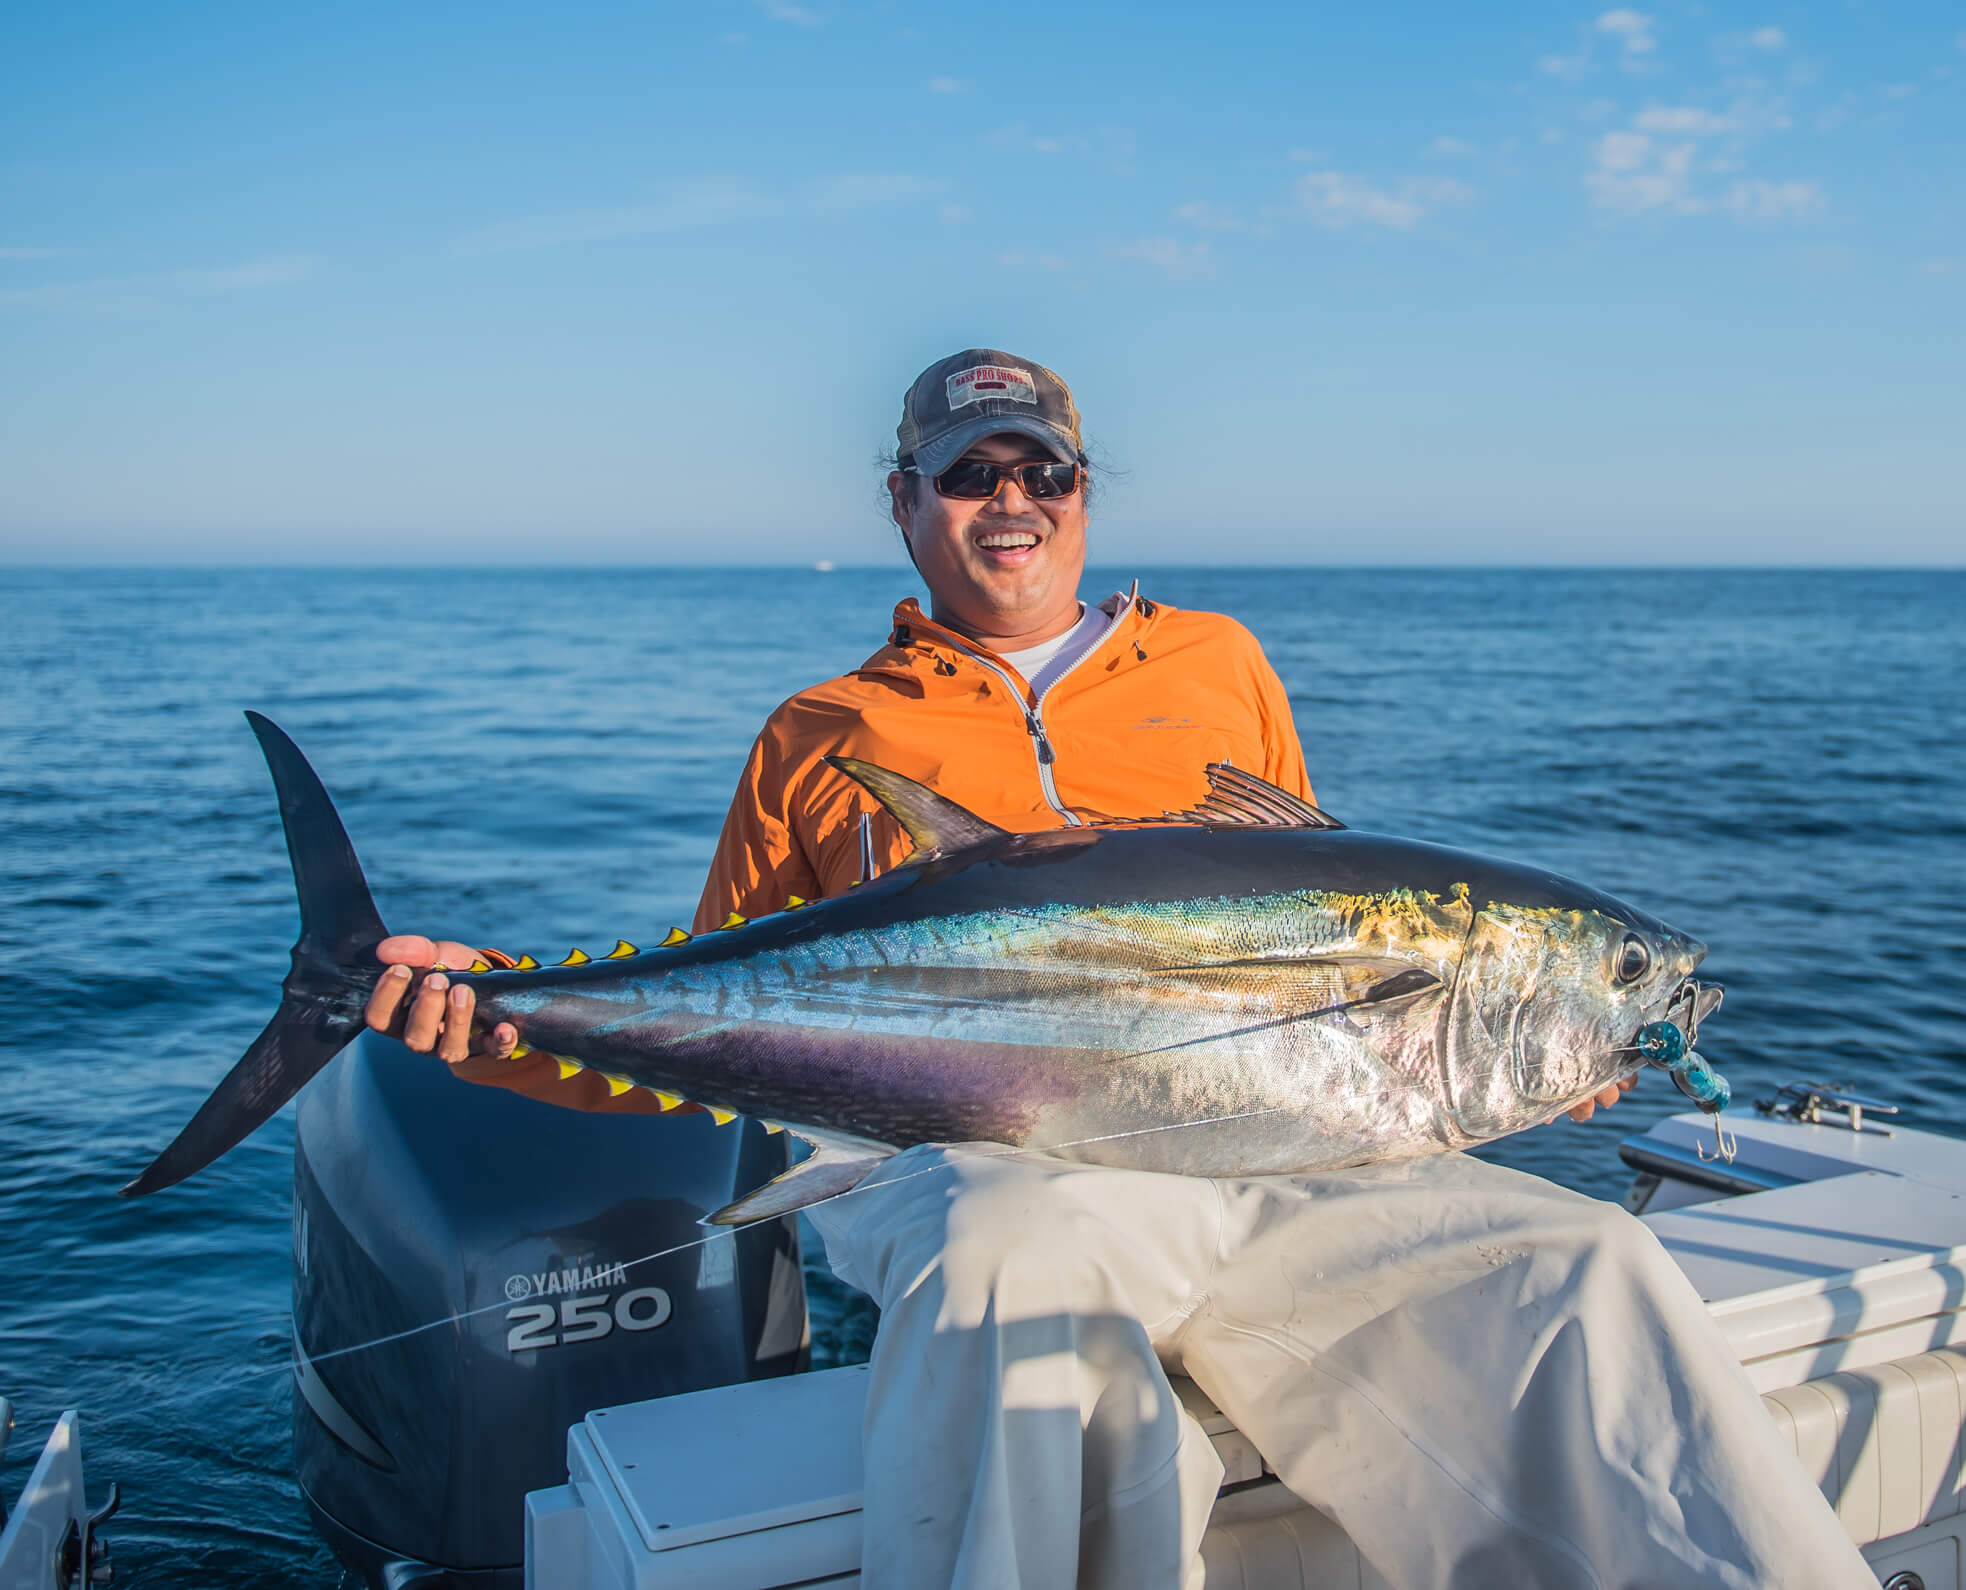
{"x":622,"y":950}
{"x":525,"y":963}
{"x":520,"y":1051}
{"x":568,"y":1069}
{"x":772,"y":1128}
{"x":732,"y":921}
{"x":794,"y":903}
{"x":669,"y":1101}
{"x":616,"y":1085}
{"x":676,"y":936}
{"x":721,"y":1117}
{"x":576,"y":958}
{"x":480,"y":965}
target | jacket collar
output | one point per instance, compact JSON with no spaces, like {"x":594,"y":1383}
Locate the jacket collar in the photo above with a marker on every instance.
{"x":918,"y":646}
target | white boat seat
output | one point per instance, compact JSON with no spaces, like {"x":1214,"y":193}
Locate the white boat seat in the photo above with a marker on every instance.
{"x":1883,"y":1442}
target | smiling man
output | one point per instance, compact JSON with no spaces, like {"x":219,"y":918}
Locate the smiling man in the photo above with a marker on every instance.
{"x":1486,"y":1379}
{"x":1009,"y":696}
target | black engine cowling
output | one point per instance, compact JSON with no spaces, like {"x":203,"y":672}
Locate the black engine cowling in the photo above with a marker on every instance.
{"x":516,"y":1265}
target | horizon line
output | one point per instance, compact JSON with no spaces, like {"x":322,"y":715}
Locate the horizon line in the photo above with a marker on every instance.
{"x":833,"y":567}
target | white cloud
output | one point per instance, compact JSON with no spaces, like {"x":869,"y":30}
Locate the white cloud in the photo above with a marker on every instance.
{"x":1769,"y":39}
{"x":733,"y":39}
{"x":1944,"y":265}
{"x":1632,"y":30}
{"x":1338,"y":200}
{"x":1334,"y":200}
{"x":271,"y":272}
{"x":148,"y":294}
{"x":1108,"y":143}
{"x":1567,"y":67}
{"x":1179,"y":261}
{"x":1774,"y":201}
{"x":1210,"y":217}
{"x":955,"y":214}
{"x":1633,"y":173}
{"x":1900,"y":90}
{"x":1686,"y":120}
{"x":785,"y":11}
{"x":1452,"y":148}
{"x":944,"y":85}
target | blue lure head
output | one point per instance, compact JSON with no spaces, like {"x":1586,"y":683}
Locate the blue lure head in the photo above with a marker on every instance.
{"x":1663,"y":1044}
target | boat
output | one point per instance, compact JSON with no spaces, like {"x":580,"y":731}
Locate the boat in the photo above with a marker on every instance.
{"x":51,"y":1538}
{"x":1831,"y":1249}
{"x":519,"y":1360}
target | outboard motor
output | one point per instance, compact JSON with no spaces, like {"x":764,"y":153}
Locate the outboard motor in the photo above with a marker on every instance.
{"x":492,"y":1250}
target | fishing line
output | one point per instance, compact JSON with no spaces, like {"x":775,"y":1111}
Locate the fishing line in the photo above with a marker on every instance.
{"x":245,"y":1376}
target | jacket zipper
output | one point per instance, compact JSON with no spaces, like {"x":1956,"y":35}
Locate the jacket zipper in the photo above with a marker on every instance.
{"x":1034,"y":714}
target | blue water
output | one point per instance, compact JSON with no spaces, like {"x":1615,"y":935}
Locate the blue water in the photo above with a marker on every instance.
{"x":1770,"y":760}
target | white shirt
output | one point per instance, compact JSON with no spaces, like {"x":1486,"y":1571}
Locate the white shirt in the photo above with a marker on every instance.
{"x":1045,"y":662}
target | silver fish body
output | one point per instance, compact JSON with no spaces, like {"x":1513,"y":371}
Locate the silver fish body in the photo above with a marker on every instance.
{"x":1207,"y":1001}
{"x":1241,"y":989}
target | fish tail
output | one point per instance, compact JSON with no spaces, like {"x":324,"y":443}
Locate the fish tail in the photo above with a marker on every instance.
{"x":334,"y":968}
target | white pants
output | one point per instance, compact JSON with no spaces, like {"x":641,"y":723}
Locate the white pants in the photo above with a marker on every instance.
{"x":1485,"y":1379}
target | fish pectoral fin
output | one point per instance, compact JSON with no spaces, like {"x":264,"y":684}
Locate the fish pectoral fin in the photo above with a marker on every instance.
{"x":826,"y":1173}
{"x":1366,"y":979}
{"x":938,"y":826}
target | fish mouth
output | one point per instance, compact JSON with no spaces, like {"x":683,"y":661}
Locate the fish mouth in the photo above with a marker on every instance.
{"x":1691,"y":1003}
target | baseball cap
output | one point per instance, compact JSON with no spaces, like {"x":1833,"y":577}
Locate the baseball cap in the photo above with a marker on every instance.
{"x":980,"y":392}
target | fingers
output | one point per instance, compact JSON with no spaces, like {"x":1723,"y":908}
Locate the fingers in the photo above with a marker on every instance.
{"x":426,"y":1013}
{"x":501,"y":1041}
{"x":386,"y":1003}
{"x":458,"y":957}
{"x":1605,"y":1097}
{"x":455,"y":1044}
{"x":407,"y":949}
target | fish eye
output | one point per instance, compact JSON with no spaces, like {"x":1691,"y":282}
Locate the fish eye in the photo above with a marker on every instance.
{"x":1634,"y":959}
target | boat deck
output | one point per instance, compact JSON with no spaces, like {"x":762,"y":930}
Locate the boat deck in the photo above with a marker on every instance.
{"x":1832,"y":1259}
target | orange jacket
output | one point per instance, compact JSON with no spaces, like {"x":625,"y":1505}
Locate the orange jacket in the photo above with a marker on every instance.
{"x":1126,"y":732}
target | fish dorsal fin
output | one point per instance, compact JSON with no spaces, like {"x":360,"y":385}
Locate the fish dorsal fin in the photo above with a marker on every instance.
{"x":938,"y":826}
{"x":1242,"y":800}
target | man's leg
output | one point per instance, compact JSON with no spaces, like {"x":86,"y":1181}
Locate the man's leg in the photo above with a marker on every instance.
{"x":1020,"y":1431}
{"x":1490,"y":1381}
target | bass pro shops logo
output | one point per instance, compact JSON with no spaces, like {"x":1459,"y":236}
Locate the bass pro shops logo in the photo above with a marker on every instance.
{"x":588,"y":1308}
{"x":1004,"y":382}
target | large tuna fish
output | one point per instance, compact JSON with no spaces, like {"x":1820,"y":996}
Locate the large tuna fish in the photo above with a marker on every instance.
{"x":1244,"y":988}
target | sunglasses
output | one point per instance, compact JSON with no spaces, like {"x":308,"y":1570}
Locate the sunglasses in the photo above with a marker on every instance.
{"x":973,"y":480}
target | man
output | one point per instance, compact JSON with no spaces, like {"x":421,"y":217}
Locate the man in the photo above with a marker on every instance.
{"x":1485,"y":1379}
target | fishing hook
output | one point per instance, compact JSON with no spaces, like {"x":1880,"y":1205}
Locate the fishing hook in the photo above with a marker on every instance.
{"x":1726,"y":1145}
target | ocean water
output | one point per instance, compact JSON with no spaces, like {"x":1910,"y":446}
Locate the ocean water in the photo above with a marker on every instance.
{"x":1771,"y":760}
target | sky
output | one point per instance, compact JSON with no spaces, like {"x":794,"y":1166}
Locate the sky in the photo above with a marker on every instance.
{"x":1422,"y":283}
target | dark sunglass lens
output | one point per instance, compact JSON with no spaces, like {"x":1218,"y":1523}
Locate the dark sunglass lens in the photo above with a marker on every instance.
{"x":968,"y":477}
{"x":1049,"y":480}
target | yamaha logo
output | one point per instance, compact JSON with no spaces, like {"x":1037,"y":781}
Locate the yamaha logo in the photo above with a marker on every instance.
{"x":589,"y":1306}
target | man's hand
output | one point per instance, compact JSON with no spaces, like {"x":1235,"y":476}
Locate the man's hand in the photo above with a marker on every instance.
{"x":439,"y":1016}
{"x":1606,"y":1096}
